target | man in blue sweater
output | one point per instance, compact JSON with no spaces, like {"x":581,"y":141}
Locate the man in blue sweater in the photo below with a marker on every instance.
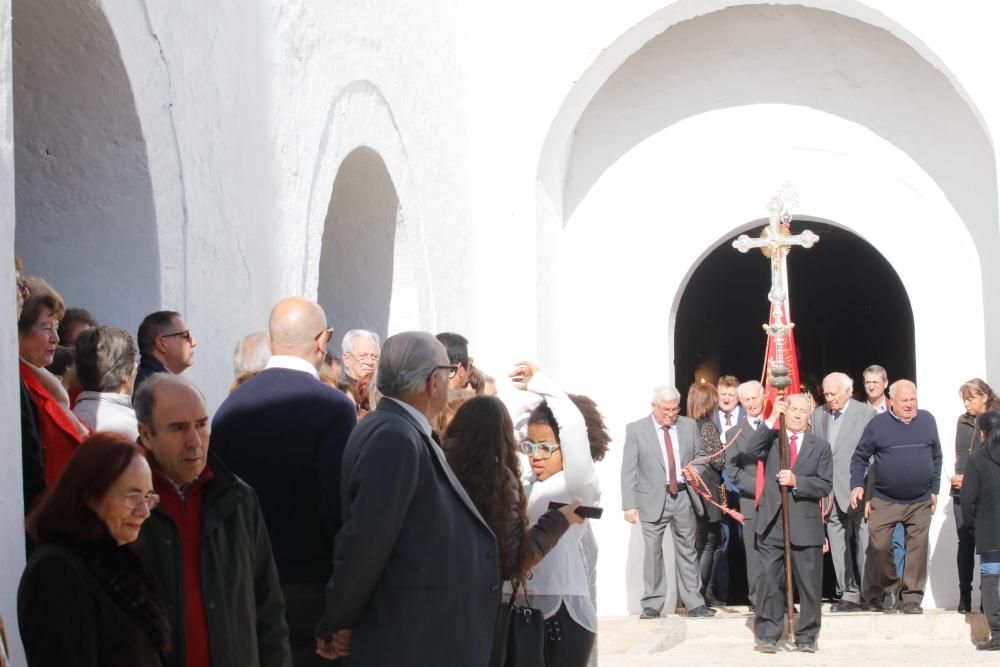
{"x":907,"y":475}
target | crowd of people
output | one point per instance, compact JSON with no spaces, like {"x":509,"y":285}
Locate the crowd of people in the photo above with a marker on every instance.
{"x":384,"y":505}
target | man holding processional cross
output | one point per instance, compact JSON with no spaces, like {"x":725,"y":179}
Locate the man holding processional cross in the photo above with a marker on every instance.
{"x":797,"y":471}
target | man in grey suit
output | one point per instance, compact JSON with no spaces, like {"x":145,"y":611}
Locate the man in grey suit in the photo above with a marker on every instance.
{"x":809,"y":479}
{"x":654,"y":492}
{"x":841,"y":421}
{"x":416,"y":575}
{"x":742,"y":469}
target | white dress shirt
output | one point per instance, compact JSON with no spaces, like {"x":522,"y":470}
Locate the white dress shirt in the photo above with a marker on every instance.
{"x":292,"y":363}
{"x":673,"y":446}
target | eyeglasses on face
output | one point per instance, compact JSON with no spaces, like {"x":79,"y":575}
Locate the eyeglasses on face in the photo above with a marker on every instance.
{"x":133,"y":500}
{"x":451,"y":368}
{"x":328,"y":332}
{"x":542,"y":450}
{"x":49,"y":328}
{"x":186,"y":335}
{"x":366,"y":356}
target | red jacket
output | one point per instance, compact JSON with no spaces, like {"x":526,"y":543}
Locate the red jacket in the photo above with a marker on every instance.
{"x":59,"y":434}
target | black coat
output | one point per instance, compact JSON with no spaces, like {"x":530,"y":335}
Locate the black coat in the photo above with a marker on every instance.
{"x":32,"y":455}
{"x":417,"y":572}
{"x":813,"y":481}
{"x":284,"y":432}
{"x":980,"y":497}
{"x":244,"y":607}
{"x":68,"y":617}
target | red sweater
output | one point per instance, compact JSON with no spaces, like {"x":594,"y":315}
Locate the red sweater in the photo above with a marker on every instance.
{"x":186,"y":514}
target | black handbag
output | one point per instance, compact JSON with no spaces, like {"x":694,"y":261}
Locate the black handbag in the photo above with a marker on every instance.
{"x":521,"y":634}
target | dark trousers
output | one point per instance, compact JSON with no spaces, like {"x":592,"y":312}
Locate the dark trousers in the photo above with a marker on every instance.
{"x":807,"y":575}
{"x":304,"y":607}
{"x":708,"y":546}
{"x":567,"y":643}
{"x":916,"y":520}
{"x":966,"y":550}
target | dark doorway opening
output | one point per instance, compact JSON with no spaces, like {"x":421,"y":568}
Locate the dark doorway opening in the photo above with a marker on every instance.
{"x":848,"y":304}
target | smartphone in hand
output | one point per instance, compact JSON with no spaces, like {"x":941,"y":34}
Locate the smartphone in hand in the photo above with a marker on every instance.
{"x":583,"y":510}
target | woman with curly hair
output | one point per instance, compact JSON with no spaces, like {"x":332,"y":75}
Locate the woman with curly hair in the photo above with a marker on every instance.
{"x":480,"y":447}
{"x":702,"y":403}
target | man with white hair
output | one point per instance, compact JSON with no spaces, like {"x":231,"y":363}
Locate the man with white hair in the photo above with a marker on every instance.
{"x":284,"y":432}
{"x":361,"y":351}
{"x":251,"y":354}
{"x":907,"y":476}
{"x":841,"y":421}
{"x":742,"y":471}
{"x":808,"y":479}
{"x":654,"y":492}
{"x":416,"y":577}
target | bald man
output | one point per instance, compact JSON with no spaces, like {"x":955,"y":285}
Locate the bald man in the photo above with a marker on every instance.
{"x":809,"y":479}
{"x":284,"y":432}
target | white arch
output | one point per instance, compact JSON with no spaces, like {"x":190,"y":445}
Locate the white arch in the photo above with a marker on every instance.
{"x":359,"y":115}
{"x":633,"y":244}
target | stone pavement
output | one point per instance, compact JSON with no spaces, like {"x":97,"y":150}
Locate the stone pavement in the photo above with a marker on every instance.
{"x":937,"y":637}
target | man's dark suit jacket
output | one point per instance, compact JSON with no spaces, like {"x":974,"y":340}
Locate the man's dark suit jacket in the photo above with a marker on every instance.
{"x":813,"y":480}
{"x":416,"y":573}
{"x":284,"y":432}
{"x":741,"y":467}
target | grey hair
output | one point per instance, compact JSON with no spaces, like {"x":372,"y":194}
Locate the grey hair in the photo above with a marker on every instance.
{"x":892,"y":387}
{"x":251,"y":354}
{"x":743,"y":391}
{"x":144,"y":401}
{"x":105,"y":357}
{"x":666,"y":392}
{"x":875,"y":368}
{"x":843,"y":378}
{"x":345,"y":344}
{"x":407,"y":360}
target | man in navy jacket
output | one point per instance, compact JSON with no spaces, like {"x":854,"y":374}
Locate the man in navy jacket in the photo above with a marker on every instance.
{"x":284,"y":432}
{"x":907,"y":476}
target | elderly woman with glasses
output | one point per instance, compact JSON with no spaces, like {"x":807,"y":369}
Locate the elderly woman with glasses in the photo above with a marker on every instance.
{"x":60,"y":430}
{"x":83,"y":598}
{"x":558,"y":447}
{"x":107,"y":360}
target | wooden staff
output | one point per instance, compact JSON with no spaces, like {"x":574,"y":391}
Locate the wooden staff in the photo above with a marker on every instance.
{"x":785,"y":464}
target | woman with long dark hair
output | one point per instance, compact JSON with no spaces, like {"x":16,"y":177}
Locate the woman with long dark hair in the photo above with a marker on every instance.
{"x":83,"y":598}
{"x":702,"y":403}
{"x":978,"y":397}
{"x":480,"y":447}
{"x":980,"y":502}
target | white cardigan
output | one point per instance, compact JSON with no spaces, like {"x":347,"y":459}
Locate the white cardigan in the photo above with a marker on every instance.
{"x":103,"y":411}
{"x":561,"y":577}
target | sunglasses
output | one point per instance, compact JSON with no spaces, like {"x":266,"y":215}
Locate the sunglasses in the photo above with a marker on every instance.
{"x":186,"y":335}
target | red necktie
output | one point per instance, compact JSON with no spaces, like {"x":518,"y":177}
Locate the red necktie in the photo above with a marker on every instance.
{"x":793,"y":446}
{"x":671,"y":464}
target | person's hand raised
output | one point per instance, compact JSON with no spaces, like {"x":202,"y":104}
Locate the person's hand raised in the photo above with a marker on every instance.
{"x":522,"y":374}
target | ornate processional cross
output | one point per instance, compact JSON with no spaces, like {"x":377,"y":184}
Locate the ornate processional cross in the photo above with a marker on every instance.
{"x":775,"y":242}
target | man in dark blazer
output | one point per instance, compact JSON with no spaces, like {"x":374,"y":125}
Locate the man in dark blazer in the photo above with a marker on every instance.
{"x":742,"y":470}
{"x":284,"y":432}
{"x":841,"y":421}
{"x":654,"y":493}
{"x":416,"y":576}
{"x":809,"y":480}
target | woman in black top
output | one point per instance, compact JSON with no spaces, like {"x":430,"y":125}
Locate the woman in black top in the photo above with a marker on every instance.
{"x":978,"y":398}
{"x":83,"y":599}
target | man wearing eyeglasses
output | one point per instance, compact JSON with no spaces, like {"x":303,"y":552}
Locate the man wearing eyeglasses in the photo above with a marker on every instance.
{"x":416,"y":579}
{"x":166,"y":345}
{"x":206,"y":548}
{"x":361,"y":349}
{"x":283,"y":432}
{"x":655,"y":494}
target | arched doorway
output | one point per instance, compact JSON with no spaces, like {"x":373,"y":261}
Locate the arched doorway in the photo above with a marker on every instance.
{"x":849,"y":307}
{"x":85,"y":212}
{"x":356,"y":260}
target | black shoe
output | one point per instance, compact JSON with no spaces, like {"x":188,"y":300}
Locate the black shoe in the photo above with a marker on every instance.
{"x":965,"y":602}
{"x":889,"y":602}
{"x":765,"y":646}
{"x":845,"y":606}
{"x":912,"y":608}
{"x":713,"y":601}
{"x":649,"y":612}
{"x":701,"y":612}
{"x":805,"y":647}
{"x":991,"y":645}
